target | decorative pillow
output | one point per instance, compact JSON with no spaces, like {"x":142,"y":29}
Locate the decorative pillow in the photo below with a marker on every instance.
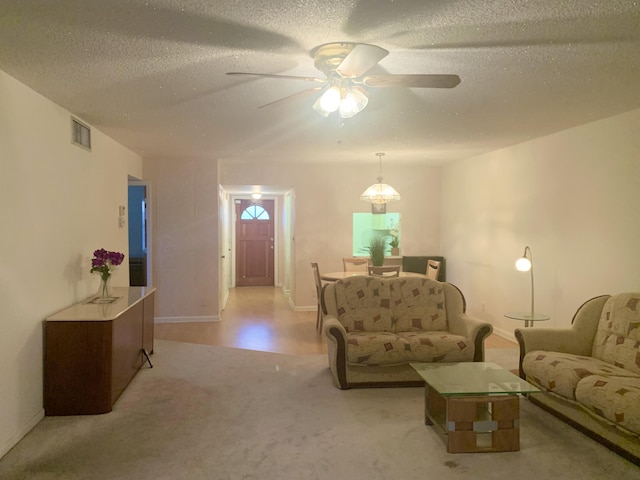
{"x":418,"y":304}
{"x":617,"y":339}
{"x":363,"y":304}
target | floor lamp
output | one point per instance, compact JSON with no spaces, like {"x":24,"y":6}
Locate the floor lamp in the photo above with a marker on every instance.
{"x":525,"y":264}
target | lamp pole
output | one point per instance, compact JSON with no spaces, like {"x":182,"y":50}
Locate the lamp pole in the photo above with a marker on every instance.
{"x":531,"y":270}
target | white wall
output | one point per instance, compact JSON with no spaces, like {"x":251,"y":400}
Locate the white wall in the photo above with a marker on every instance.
{"x":184,"y":210}
{"x":58,"y":203}
{"x":573,"y":197}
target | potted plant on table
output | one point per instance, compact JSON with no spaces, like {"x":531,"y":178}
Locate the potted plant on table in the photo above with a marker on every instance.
{"x":394,"y":243}
{"x":377,"y":246}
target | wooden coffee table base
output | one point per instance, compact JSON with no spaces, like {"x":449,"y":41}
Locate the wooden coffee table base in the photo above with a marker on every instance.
{"x":472,"y":424}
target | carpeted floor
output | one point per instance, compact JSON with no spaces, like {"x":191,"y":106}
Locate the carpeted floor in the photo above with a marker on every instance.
{"x":220,"y":413}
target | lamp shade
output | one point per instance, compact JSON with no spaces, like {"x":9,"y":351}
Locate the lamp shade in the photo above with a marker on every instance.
{"x":380,"y":193}
{"x":353,"y":102}
{"x":523,"y":264}
{"x":328,"y":102}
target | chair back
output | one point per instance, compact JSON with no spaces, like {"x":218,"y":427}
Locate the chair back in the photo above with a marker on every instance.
{"x":433,"y":269}
{"x":355,"y":264}
{"x":317,"y":278}
{"x":386,"y":272}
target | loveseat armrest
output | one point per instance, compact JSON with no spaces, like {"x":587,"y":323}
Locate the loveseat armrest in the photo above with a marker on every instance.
{"x":576,"y":340}
{"x":336,"y":336}
{"x":472,"y":328}
{"x":563,"y":340}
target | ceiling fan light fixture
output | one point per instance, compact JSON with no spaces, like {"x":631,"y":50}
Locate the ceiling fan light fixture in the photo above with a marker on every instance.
{"x":328,"y":102}
{"x":353,"y":102}
{"x":330,"y":99}
{"x":346,"y":66}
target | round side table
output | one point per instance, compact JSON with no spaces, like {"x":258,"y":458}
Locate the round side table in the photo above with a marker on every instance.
{"x":528,"y":317}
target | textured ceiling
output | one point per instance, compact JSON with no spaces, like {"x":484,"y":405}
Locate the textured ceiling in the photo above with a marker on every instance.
{"x":151,"y":73}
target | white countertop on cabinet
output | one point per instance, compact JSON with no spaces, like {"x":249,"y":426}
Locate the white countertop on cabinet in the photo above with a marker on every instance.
{"x":87,"y":311}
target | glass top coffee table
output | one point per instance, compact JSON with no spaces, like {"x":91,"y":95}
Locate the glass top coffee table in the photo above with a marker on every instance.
{"x":474,"y":404}
{"x":528,"y":317}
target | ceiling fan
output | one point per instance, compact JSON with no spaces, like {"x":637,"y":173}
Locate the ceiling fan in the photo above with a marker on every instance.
{"x":345,"y":84}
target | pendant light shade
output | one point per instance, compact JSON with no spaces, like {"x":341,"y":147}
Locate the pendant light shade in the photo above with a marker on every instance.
{"x":379,"y":193}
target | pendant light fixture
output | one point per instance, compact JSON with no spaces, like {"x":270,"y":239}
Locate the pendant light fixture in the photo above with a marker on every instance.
{"x":380,"y":193}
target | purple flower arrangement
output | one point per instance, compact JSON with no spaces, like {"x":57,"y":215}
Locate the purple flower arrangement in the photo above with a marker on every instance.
{"x":103,"y":261}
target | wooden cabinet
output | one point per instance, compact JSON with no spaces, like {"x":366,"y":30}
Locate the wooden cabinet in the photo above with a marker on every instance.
{"x":92,"y":351}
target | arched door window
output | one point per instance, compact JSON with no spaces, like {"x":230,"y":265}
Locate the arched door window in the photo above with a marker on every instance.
{"x":254,"y":212}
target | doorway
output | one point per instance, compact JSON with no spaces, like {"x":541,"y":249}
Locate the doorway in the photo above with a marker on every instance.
{"x":254,"y":242}
{"x":139,"y":267}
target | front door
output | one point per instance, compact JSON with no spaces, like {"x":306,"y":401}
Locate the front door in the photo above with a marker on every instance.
{"x":254,"y":243}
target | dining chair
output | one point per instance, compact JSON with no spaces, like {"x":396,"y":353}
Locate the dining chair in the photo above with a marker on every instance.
{"x":355,"y":264}
{"x":433,"y":269}
{"x":318,"y":280}
{"x":390,"y":271}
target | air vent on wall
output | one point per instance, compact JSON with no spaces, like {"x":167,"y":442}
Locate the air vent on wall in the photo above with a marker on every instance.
{"x":80,"y":134}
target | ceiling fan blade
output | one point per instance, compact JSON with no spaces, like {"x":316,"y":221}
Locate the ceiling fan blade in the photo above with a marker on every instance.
{"x":412,"y":81}
{"x":360,"y":60}
{"x":290,"y":77}
{"x":291,"y":97}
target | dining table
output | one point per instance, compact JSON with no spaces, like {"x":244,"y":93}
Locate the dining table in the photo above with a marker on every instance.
{"x":334,"y":276}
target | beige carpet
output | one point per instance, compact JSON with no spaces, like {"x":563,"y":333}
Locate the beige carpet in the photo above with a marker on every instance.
{"x":220,"y":413}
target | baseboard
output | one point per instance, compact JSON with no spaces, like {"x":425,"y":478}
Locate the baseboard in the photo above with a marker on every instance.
{"x":186,"y":319}
{"x":33,"y":421}
{"x":505,"y":334}
{"x":303,"y":308}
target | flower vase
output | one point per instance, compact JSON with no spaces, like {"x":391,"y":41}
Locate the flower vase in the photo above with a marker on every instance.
{"x":104,"y":291}
{"x":395,"y":251}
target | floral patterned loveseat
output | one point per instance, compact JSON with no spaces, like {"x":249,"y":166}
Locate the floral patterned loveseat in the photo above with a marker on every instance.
{"x":376,"y":326}
{"x":590,"y":373}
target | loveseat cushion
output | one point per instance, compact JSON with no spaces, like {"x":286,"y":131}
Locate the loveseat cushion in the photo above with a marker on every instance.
{"x":386,"y":348}
{"x":364,"y":304}
{"x":376,"y":348}
{"x":418,"y":304}
{"x":438,"y":347}
{"x":615,"y":398}
{"x":617,"y":339}
{"x":561,"y":372}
